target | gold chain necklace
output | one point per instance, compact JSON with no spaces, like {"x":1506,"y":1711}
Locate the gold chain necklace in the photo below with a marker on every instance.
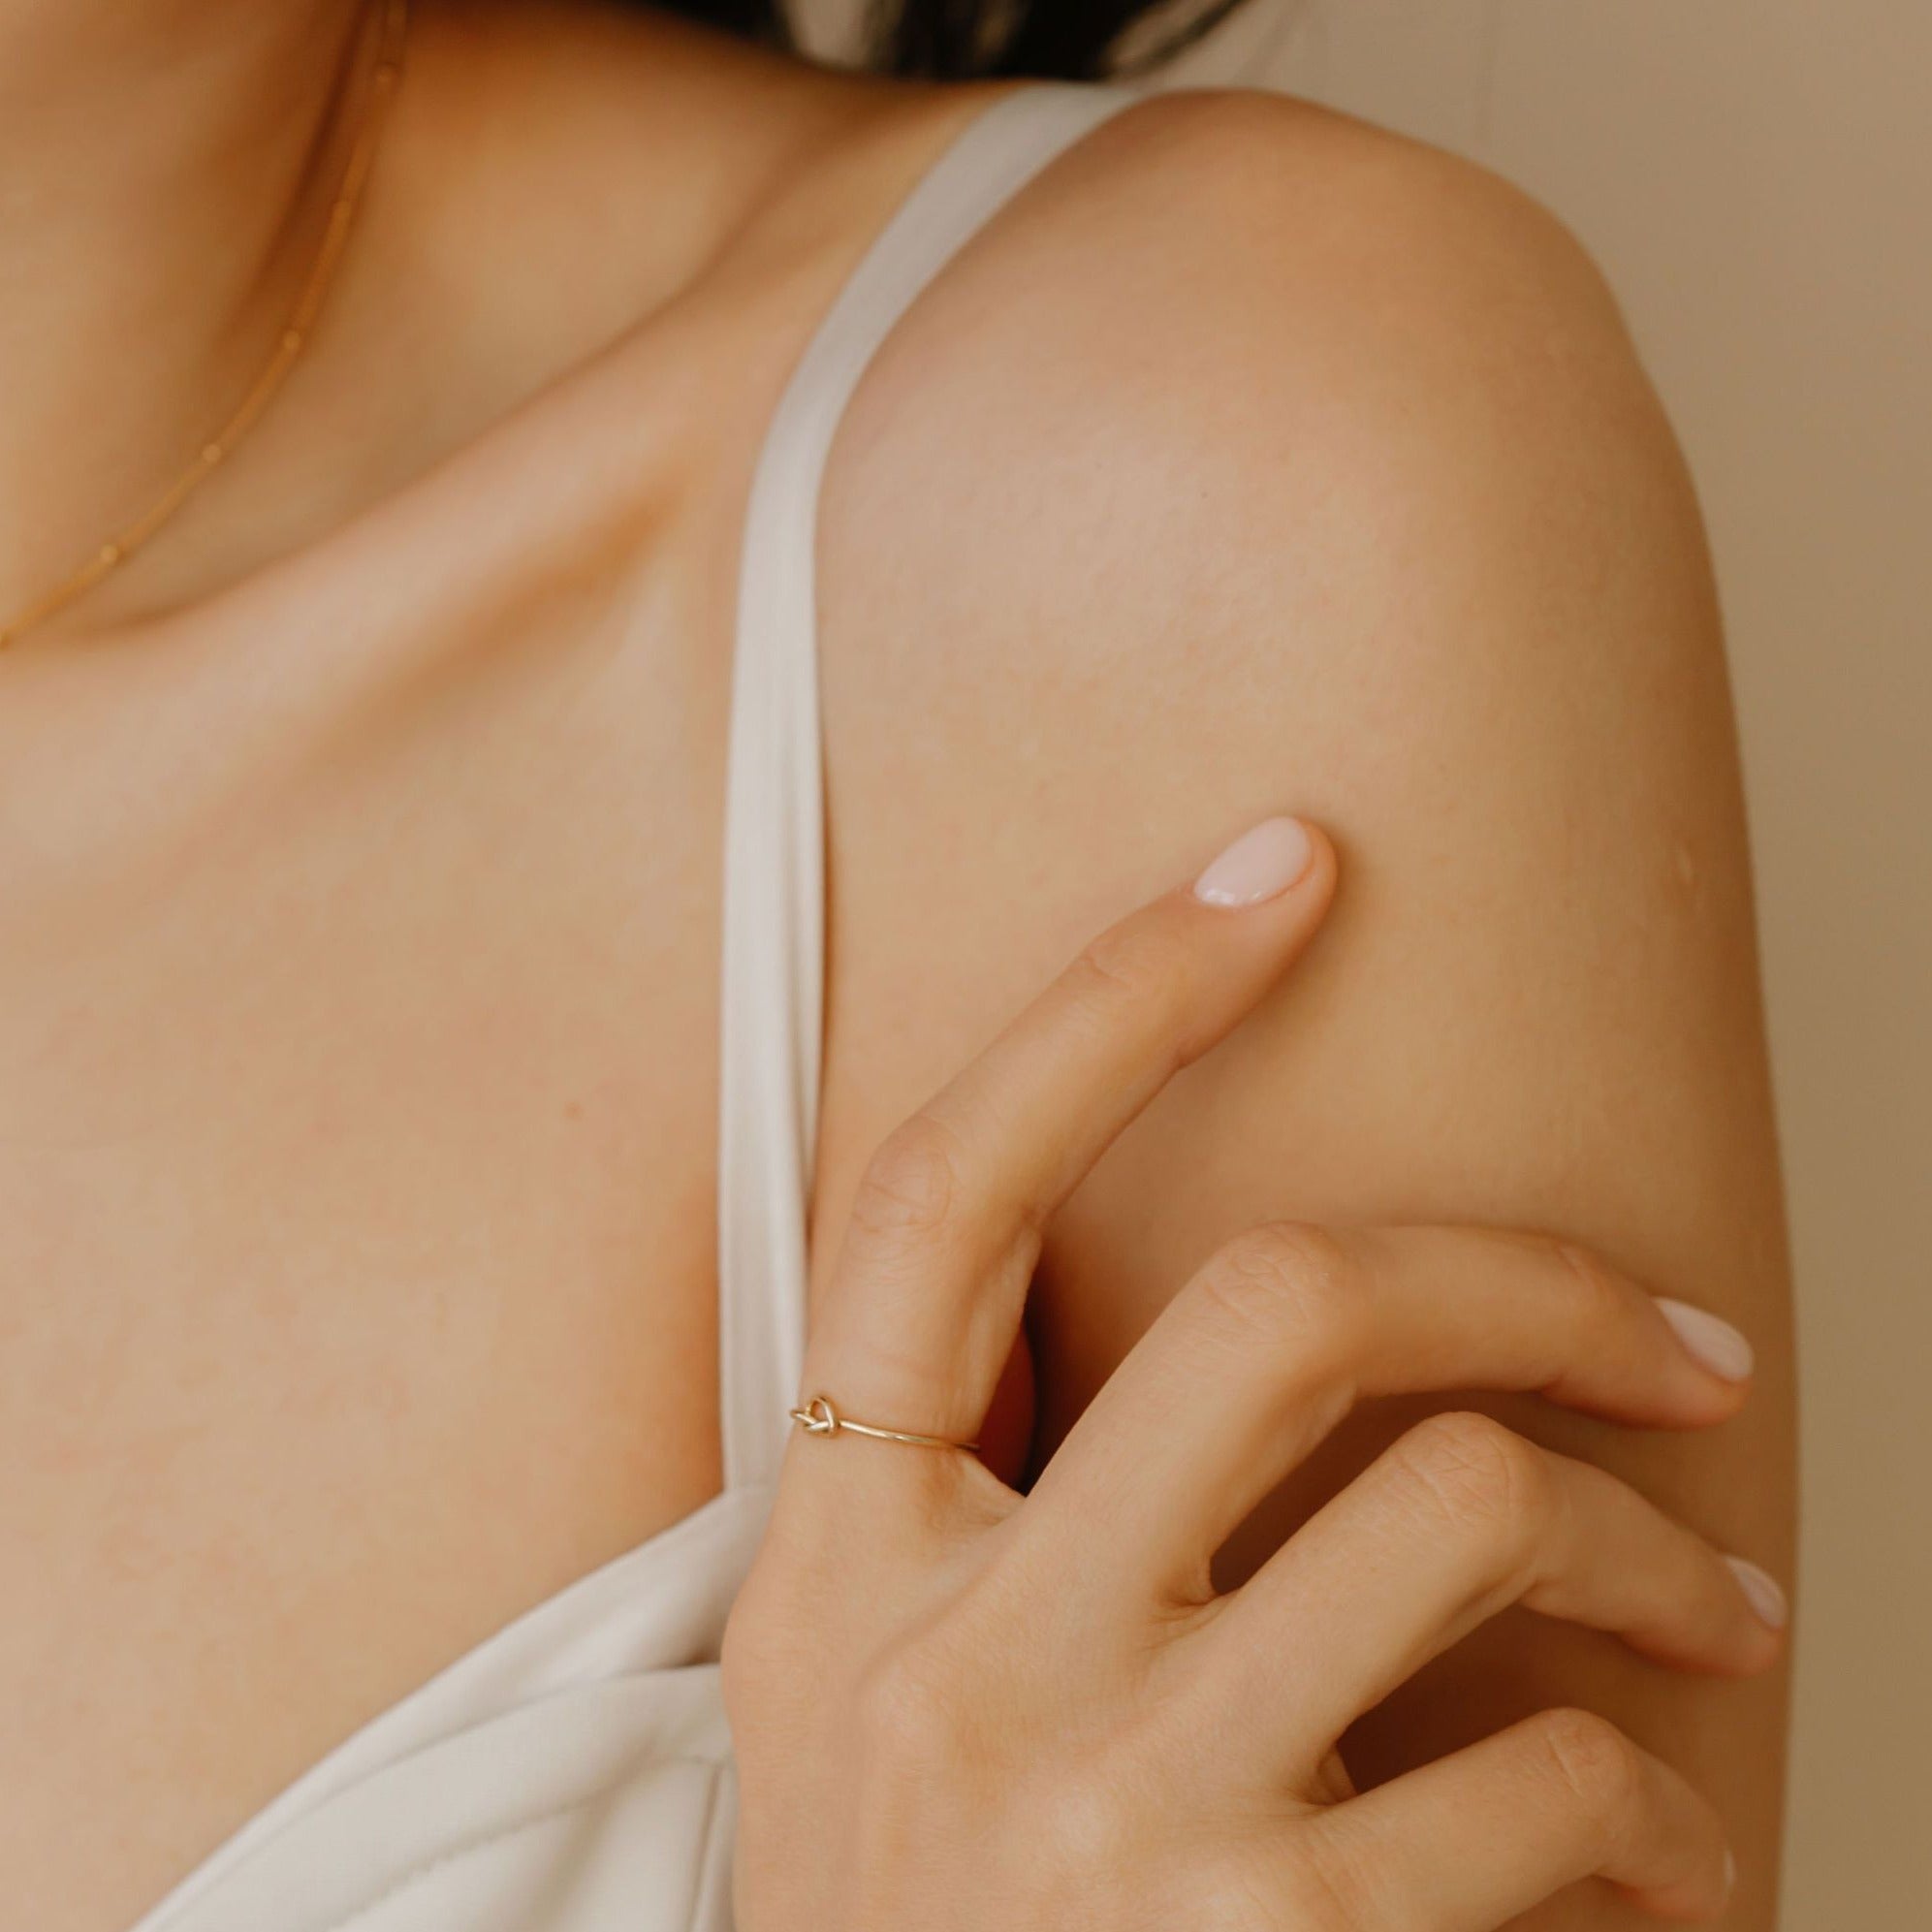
{"x":289,"y":345}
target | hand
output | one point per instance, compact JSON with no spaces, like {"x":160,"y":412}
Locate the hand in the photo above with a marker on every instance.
{"x":957,"y":1708}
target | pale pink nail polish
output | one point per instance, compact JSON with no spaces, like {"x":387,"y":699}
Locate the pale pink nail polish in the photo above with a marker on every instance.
{"x":1714,"y":1343}
{"x":1764,"y":1596}
{"x":1264,"y":862}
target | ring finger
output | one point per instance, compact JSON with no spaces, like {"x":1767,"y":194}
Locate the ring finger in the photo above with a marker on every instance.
{"x":1453,"y":1523}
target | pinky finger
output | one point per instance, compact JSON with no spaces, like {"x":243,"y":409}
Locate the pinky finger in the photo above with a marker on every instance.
{"x":1470,"y":1842}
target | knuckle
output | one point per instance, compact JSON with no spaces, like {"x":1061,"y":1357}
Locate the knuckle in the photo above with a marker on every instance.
{"x":914,"y":1184}
{"x":1288,"y":1280}
{"x":1088,"y":1825}
{"x":1604,"y":1299}
{"x":1482,"y":1478}
{"x":1127,"y":966}
{"x":908,"y":1710}
{"x":1592,"y":1763}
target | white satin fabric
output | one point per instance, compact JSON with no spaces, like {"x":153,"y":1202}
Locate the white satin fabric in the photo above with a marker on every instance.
{"x":573,"y":1772}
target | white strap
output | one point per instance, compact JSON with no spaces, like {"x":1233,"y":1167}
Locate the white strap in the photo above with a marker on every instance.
{"x":774,"y":932}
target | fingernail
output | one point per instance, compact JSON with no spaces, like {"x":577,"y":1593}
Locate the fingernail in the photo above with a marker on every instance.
{"x":1265,"y":861}
{"x":1716,"y":1344}
{"x":1729,"y":1871}
{"x":1766,"y":1598}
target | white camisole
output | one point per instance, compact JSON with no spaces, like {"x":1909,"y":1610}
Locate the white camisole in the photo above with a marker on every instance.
{"x":573,"y":1772}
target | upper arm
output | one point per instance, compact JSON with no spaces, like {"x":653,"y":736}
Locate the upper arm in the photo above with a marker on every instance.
{"x":1289,"y":467}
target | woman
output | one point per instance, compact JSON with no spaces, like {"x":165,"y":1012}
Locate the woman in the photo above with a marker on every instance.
{"x":426,"y":552}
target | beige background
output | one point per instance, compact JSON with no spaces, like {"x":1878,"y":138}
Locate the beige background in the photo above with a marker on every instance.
{"x":1756,"y":178}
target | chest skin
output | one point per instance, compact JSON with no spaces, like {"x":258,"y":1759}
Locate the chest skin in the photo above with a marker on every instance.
{"x":354,"y":1191}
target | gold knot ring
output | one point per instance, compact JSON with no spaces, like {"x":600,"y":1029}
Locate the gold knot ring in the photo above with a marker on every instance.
{"x":818,"y":1417}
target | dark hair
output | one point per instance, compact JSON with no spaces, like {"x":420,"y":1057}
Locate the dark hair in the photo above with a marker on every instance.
{"x":965,"y":40}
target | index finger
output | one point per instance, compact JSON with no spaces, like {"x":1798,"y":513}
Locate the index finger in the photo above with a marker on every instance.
{"x":925,"y":1304}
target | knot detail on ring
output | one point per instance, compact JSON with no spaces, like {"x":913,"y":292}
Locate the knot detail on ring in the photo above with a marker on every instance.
{"x":819,"y":1418}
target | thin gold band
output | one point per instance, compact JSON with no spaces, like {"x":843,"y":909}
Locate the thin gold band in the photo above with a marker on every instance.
{"x":818,"y":1417}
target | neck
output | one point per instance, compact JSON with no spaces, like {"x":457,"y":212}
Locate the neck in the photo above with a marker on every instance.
{"x":161,"y":165}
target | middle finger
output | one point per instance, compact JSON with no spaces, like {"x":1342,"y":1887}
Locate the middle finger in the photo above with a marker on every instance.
{"x":1455,"y":1521}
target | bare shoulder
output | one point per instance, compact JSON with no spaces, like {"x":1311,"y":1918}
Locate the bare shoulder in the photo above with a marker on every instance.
{"x":1244,"y":376}
{"x":1253,"y":458}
